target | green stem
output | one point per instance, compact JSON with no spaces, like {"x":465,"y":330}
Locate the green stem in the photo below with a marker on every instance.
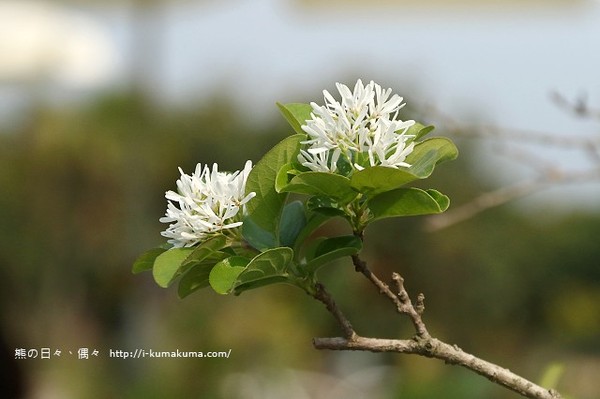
{"x":359,"y":215}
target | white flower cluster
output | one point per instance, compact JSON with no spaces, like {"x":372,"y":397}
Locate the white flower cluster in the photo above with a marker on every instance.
{"x":208,"y":201}
{"x":362,"y":128}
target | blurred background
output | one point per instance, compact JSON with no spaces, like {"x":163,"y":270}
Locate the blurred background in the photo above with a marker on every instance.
{"x":101,"y":101}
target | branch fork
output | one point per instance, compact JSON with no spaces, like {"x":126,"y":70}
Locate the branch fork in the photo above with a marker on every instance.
{"x":422,"y":343}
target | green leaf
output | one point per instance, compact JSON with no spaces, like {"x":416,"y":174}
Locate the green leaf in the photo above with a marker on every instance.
{"x":167,"y":264}
{"x":419,"y":130}
{"x":197,"y":276}
{"x":293,"y":220}
{"x":331,"y":249}
{"x":224,"y":275}
{"x":206,"y":248}
{"x":379,"y":179}
{"x":265,"y":208}
{"x":310,"y":251}
{"x":264,"y":281}
{"x":314,"y":221}
{"x":256,"y":236}
{"x":442,"y":199}
{"x":195,"y":279}
{"x":320,"y":183}
{"x":284,"y":176}
{"x":423,"y":159}
{"x":325,"y":206}
{"x":296,"y":114}
{"x":268,"y":267}
{"x":428,"y":153}
{"x":408,"y":202}
{"x":146,"y":260}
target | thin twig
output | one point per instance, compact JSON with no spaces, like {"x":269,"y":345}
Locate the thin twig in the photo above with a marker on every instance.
{"x":487,"y":132}
{"x":482,"y":202}
{"x":526,"y":158}
{"x":451,"y":354}
{"x":549,"y":174}
{"x":519,"y":135}
{"x":579,"y":107}
{"x":408,"y":308}
{"x":422,"y":343}
{"x":505,"y":194}
{"x":323,"y":296}
{"x":400,"y":300}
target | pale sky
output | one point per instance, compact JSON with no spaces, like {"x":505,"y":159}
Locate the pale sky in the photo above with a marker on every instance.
{"x":500,"y":63}
{"x":495,"y":64}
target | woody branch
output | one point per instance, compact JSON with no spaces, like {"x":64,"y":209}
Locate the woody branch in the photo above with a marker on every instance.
{"x":422,"y":343}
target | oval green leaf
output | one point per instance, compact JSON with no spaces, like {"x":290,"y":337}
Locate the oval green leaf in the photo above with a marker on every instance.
{"x":419,"y":130}
{"x":407,"y":202}
{"x":197,"y":276}
{"x":256,"y":236}
{"x":425,"y":156}
{"x":268,"y":267}
{"x":428,"y":153}
{"x":379,"y":179}
{"x":314,"y":221}
{"x":205,"y":249}
{"x":320,"y":183}
{"x":167,"y":265}
{"x":265,"y":208}
{"x":293,"y":220}
{"x":333,"y":248}
{"x":146,"y":260}
{"x":283,"y":176}
{"x":325,"y":206}
{"x":296,"y":114}
{"x":224,"y":275}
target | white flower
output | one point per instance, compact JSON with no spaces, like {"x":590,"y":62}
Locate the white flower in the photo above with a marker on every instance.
{"x":206,"y":202}
{"x":319,"y":160}
{"x":362,"y":128}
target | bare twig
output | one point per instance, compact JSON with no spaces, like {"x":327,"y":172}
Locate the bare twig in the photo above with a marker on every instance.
{"x":408,"y":308}
{"x":400,"y":300}
{"x":493,"y":132}
{"x":505,"y":194}
{"x":549,"y":174}
{"x":322,"y":295}
{"x":422,"y":343}
{"x":487,"y":132}
{"x":527,"y":158}
{"x":451,"y":354}
{"x":579,"y":107}
{"x":481,"y":203}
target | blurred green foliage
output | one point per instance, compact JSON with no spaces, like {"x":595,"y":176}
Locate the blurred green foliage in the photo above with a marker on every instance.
{"x":82,"y":191}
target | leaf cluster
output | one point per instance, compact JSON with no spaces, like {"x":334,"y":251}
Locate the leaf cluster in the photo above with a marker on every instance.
{"x":278,"y":236}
